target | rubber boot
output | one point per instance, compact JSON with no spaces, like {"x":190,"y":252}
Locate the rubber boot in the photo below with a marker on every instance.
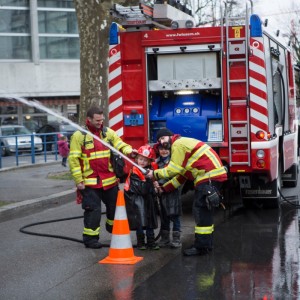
{"x":140,"y":237}
{"x":151,"y":244}
{"x":92,"y":243}
{"x":176,"y":243}
{"x":164,"y":239}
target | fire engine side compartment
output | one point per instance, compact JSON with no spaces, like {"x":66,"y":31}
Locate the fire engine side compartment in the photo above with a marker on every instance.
{"x":185,"y":61}
{"x":133,"y":89}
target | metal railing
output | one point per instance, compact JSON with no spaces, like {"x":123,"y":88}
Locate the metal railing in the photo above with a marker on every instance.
{"x":28,"y":153}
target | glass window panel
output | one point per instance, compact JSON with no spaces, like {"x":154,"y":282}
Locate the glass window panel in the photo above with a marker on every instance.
{"x":21,"y":130}
{"x":59,"y":48}
{"x":31,"y":110}
{"x":57,"y":22}
{"x":14,"y":3}
{"x":14,"y":21}
{"x":13,"y":120}
{"x":15,"y":47}
{"x":33,"y":123}
{"x":57,"y":3}
{"x":8,"y":110}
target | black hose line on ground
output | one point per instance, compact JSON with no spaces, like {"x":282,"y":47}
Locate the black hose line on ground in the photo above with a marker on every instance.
{"x":288,"y":198}
{"x":22,"y":229}
{"x":50,"y":235}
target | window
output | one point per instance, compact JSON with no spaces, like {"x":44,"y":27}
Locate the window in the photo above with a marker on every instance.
{"x":57,"y":22}
{"x":57,"y":4}
{"x":59,"y":48}
{"x":15,"y":3}
{"x":8,"y":110}
{"x":56,"y":32}
{"x":15,"y":30}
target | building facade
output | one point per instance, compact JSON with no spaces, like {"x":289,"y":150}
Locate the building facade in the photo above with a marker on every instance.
{"x":39,"y":59}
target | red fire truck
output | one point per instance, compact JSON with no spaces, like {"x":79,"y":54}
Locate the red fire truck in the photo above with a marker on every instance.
{"x":231,"y":86}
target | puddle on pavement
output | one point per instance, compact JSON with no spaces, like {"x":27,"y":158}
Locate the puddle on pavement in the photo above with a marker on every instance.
{"x":255,"y":257}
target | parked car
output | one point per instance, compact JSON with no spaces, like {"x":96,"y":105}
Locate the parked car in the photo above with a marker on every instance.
{"x":14,"y":137}
{"x":49,"y":134}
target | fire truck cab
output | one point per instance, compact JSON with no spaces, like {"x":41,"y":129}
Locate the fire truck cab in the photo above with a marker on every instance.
{"x":231,"y":86}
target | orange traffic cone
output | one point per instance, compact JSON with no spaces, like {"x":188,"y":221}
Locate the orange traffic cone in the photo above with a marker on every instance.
{"x":121,"y":251}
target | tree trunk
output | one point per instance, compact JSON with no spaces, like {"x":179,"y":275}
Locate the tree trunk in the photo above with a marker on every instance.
{"x":94,"y":20}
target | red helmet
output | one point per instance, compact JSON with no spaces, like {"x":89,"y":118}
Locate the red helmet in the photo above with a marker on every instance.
{"x":147,"y":152}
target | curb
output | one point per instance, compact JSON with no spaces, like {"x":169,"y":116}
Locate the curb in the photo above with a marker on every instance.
{"x":20,"y":209}
{"x":28,"y":166}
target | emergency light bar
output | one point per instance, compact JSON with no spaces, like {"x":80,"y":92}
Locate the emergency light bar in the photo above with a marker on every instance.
{"x":255,"y":26}
{"x":113,"y":34}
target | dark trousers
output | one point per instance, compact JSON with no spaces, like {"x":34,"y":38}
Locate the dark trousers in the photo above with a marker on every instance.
{"x":203,"y":216}
{"x":91,"y":203}
{"x":166,"y":222}
{"x":64,"y":161}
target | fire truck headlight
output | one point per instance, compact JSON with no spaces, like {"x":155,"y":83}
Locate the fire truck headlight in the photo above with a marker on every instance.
{"x":260,"y":163}
{"x":260,"y":153}
{"x":260,"y":135}
{"x":174,"y":25}
{"x":189,"y":24}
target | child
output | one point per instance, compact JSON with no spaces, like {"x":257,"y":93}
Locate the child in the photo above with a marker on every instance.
{"x":170,"y":204}
{"x":140,"y":199}
{"x":63,"y":149}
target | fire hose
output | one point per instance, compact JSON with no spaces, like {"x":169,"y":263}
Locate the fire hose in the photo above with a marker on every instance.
{"x":23,"y":229}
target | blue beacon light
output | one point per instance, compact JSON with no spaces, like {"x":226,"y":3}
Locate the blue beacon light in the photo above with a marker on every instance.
{"x":113,"y":34}
{"x":255,"y":26}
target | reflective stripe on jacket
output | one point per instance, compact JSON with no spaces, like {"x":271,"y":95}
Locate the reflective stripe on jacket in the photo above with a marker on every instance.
{"x":89,"y":159}
{"x":193,"y":160}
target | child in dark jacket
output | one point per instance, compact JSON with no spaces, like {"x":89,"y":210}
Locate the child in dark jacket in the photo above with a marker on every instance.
{"x":63,"y":149}
{"x":170,"y":204}
{"x":140,"y":200}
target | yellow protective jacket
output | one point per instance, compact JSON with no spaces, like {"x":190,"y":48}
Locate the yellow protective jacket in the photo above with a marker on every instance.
{"x":193,"y":160}
{"x":89,"y":159}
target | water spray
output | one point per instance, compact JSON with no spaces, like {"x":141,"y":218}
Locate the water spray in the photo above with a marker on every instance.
{"x":38,"y":105}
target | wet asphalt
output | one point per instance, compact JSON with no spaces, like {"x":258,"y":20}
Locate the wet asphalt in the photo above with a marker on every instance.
{"x":46,"y":267}
{"x":255,"y":255}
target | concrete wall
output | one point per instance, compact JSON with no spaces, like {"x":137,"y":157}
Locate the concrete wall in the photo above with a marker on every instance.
{"x":45,"y":79}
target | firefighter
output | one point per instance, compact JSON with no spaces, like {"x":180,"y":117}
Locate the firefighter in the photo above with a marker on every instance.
{"x":194,"y":160}
{"x":92,"y":171}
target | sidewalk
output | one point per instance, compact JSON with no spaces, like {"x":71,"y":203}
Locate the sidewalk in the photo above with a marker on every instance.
{"x":28,"y":188}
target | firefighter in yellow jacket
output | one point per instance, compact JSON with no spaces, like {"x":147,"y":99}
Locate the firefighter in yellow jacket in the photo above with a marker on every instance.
{"x":91,"y":169}
{"x":193,"y":160}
